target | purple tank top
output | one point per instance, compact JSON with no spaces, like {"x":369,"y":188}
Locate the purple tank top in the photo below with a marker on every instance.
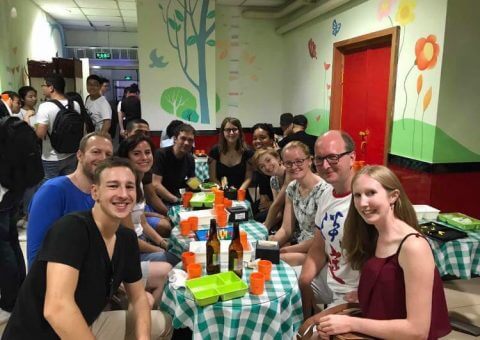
{"x":381,"y":293}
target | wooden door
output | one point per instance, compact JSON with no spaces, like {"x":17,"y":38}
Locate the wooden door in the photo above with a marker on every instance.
{"x":362,"y":92}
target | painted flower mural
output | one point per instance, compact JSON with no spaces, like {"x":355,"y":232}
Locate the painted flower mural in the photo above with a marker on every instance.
{"x":426,"y":52}
{"x":384,"y":9}
{"x":405,"y":14}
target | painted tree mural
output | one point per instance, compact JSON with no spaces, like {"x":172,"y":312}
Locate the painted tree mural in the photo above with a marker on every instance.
{"x":189,"y":25}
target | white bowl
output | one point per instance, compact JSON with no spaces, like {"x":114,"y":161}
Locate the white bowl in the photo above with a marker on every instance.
{"x":425,"y":212}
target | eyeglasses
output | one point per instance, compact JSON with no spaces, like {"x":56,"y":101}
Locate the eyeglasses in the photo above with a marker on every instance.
{"x":231,"y":130}
{"x":297,"y":162}
{"x":332,"y":159}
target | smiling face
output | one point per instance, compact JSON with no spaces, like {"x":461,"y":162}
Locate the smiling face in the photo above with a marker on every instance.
{"x":372,"y":201}
{"x":141,"y":157}
{"x":96,"y":150}
{"x":333,"y":144}
{"x":231,"y":133}
{"x":296,"y":162}
{"x":115,"y":194}
{"x":93,"y":87}
{"x":268,"y":164}
{"x":261,"y":139}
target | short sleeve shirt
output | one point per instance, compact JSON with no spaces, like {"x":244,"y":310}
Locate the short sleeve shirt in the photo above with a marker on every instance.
{"x":305,"y":208}
{"x":99,"y":110}
{"x":174,"y":171}
{"x":75,"y":241}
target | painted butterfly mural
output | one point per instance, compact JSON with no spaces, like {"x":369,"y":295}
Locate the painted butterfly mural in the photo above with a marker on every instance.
{"x":336,"y":26}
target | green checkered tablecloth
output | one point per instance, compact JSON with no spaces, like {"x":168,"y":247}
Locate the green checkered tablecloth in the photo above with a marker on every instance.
{"x":459,"y":257}
{"x":174,"y":210}
{"x":276,"y":314}
{"x":178,"y":243}
{"x":201,"y":168}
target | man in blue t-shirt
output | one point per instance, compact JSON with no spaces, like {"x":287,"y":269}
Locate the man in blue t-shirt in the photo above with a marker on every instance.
{"x":65,"y":194}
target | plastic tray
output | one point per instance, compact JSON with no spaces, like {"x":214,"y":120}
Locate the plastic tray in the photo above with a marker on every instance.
{"x":202,"y":199}
{"x":441,"y":232}
{"x":460,"y":221}
{"x":208,"y":186}
{"x":208,"y":289}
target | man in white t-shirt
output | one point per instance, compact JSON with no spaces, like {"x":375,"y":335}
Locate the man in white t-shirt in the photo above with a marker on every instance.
{"x":54,"y":163}
{"x":326,"y":277}
{"x":97,"y":105}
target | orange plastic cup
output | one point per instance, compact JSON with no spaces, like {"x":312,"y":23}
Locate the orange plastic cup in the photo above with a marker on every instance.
{"x":241,"y":193}
{"x":185,"y":227}
{"x":257,"y":283}
{"x":227,"y":203}
{"x":219,"y":208}
{"x":244,"y":239}
{"x":265,"y":267}
{"x":193,"y":223}
{"x":187,"y":196}
{"x":222,"y":219}
{"x":194,"y":270}
{"x":187,"y":258}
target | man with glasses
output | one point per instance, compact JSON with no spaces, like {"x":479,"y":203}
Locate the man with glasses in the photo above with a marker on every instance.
{"x":174,"y":165}
{"x":326,"y":277}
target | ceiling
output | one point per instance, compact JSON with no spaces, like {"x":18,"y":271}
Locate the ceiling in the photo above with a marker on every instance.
{"x":119,"y":15}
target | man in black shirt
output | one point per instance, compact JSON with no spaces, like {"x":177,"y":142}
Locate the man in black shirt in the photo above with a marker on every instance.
{"x":174,"y":165}
{"x":300,"y":123}
{"x":83,"y":260}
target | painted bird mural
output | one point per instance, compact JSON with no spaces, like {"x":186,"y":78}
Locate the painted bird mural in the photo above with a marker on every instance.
{"x":156,"y":60}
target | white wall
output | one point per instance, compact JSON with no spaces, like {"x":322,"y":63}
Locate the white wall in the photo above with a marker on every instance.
{"x":103,"y":39}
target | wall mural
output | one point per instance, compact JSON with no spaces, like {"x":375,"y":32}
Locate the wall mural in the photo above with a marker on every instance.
{"x":189,"y":26}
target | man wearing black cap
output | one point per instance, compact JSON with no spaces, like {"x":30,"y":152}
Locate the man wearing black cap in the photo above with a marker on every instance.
{"x":300,"y":123}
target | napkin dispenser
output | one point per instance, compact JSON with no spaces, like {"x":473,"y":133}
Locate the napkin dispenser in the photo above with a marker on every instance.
{"x":238,"y":214}
{"x":268,"y":250}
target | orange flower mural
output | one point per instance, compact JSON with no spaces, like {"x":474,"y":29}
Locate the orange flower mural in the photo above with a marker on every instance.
{"x":426,"y":52}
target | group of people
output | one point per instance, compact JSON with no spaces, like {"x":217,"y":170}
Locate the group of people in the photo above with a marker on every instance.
{"x":97,"y":226}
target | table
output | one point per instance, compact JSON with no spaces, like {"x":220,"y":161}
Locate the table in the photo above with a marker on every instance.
{"x":276,"y":314}
{"x":460,"y":257}
{"x":178,"y":243}
{"x":201,"y":168}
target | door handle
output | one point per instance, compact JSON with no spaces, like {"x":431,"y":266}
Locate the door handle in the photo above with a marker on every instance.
{"x":364,"y":139}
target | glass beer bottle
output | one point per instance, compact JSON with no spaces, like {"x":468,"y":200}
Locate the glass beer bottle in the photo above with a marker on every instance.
{"x":235,"y":252}
{"x":213,"y":249}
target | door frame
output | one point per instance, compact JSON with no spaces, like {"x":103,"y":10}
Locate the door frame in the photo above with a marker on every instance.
{"x":340,"y":48}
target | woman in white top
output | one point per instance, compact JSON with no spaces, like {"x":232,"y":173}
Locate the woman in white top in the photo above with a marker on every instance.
{"x":300,"y":203}
{"x":156,"y":261}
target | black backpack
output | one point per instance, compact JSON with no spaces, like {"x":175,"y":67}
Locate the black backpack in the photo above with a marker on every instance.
{"x":68,"y":128}
{"x":20,"y":155}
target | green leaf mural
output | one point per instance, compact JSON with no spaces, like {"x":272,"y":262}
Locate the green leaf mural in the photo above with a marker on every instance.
{"x":217,"y":103}
{"x":191,"y":40}
{"x":318,"y":121}
{"x":437,"y":146}
{"x":176,"y":100}
{"x":179,"y":15}
{"x":211,"y":14}
{"x":211,"y":42}
{"x":190,"y":115}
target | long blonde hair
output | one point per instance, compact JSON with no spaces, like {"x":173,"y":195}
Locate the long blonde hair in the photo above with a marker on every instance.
{"x":359,"y":237}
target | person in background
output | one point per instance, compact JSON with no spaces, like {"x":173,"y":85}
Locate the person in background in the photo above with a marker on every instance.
{"x":300,"y":123}
{"x":230,"y":158}
{"x":301,"y":204}
{"x":170,"y":132}
{"x":268,"y":162}
{"x":97,"y":105}
{"x":286,"y":124}
{"x":9,"y":104}
{"x":28,"y":101}
{"x":137,"y":125}
{"x":174,"y":165}
{"x":54,"y":163}
{"x":131,"y":91}
{"x":104,"y":86}
{"x":400,"y":290}
{"x":327,"y":277}
{"x":83,"y":260}
{"x":263,"y":137}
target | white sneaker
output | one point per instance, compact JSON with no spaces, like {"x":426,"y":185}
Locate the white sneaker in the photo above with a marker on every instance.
{"x":4,"y":316}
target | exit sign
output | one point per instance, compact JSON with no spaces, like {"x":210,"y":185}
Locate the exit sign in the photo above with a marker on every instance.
{"x":103,"y":55}
{"x":127,"y":77}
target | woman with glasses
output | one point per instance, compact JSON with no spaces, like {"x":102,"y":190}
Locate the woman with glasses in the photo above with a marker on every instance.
{"x":301,"y":199}
{"x":400,"y":290}
{"x":230,"y":158}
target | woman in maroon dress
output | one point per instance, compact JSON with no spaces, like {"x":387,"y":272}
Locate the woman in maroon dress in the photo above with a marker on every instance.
{"x":400,"y":291}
